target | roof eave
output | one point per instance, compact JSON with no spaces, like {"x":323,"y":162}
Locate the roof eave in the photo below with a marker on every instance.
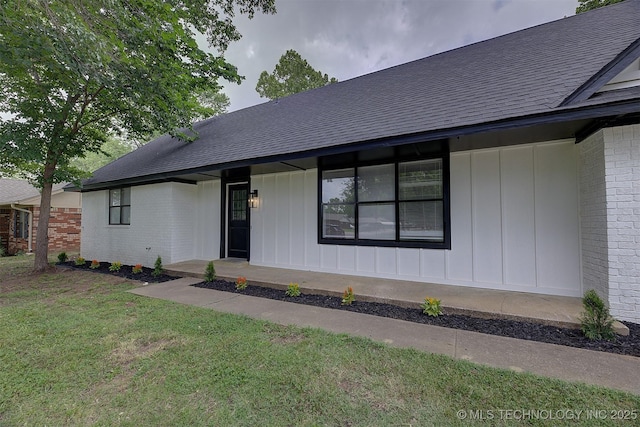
{"x":555,"y":116}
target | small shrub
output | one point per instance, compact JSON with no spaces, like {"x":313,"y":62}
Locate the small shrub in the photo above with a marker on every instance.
{"x":94,"y":264}
{"x":210,"y":272}
{"x":115,"y":266}
{"x":157,"y":267}
{"x":348,"y":297}
{"x":79,"y":261}
{"x":293,"y":290}
{"x":136,"y":269}
{"x":3,"y":251}
{"x":596,"y":322}
{"x":62,"y":256}
{"x":431,"y":307}
{"x":241,"y":283}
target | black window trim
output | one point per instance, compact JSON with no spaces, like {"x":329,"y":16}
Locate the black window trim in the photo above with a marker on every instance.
{"x":121,"y":189}
{"x":395,"y":160}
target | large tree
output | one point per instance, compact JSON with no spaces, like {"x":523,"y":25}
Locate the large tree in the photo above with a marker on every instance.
{"x":292,"y":74}
{"x":112,"y":149}
{"x":73,"y":72}
{"x":586,"y":5}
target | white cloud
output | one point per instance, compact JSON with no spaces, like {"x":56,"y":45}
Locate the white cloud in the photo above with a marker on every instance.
{"x":349,"y":38}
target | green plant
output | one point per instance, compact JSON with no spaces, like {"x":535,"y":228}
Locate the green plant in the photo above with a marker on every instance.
{"x":293,"y":290}
{"x":115,"y":266}
{"x":210,"y":272}
{"x":136,"y":269}
{"x":79,"y":261}
{"x":241,"y":283}
{"x":596,"y":322}
{"x":62,"y":256}
{"x":431,"y":306}
{"x":157,"y":267}
{"x":94,"y":264}
{"x":348,"y":297}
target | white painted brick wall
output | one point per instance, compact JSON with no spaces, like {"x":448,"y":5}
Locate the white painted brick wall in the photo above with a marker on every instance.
{"x":162,"y":219}
{"x":593,"y":215}
{"x":622,"y":180}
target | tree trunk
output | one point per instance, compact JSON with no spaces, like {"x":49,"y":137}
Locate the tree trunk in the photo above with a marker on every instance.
{"x":42,"y":237}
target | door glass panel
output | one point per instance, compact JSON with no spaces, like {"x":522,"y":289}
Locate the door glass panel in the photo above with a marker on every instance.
{"x":239,"y":205}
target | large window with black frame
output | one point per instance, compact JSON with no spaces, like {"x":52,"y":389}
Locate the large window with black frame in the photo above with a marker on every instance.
{"x":399,"y":203}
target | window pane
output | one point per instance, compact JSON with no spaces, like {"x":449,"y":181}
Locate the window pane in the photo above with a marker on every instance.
{"x":376,"y":183}
{"x":126,"y":196}
{"x":125,"y":215}
{"x":420,"y":180}
{"x":421,"y":221}
{"x":114,"y":195}
{"x":114,"y":215}
{"x":337,"y":221}
{"x":338,"y":186}
{"x":377,"y":221}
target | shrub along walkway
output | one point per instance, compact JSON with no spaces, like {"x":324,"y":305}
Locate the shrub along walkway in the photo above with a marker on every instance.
{"x":566,"y":363}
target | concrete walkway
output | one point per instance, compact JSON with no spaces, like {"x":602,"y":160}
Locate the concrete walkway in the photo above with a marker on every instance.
{"x":566,"y":363}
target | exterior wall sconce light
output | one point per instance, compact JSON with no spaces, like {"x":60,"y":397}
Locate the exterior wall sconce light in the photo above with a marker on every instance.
{"x":253,"y":199}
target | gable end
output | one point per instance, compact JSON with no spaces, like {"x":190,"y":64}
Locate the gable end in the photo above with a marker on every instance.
{"x":606,"y":75}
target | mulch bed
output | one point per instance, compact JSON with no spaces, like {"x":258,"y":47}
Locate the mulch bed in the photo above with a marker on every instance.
{"x":629,"y":345}
{"x":125,"y":271}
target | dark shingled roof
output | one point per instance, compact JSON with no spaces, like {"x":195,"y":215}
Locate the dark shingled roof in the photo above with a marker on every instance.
{"x":537,"y":72}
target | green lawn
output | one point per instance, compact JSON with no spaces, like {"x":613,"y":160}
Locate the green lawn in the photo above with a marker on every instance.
{"x":76,"y":349}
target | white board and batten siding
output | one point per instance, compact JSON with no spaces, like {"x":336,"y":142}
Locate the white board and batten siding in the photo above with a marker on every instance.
{"x":514,"y":225}
{"x":176,"y":221}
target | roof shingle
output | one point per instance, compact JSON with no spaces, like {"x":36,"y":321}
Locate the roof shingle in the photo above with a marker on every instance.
{"x":520,"y":74}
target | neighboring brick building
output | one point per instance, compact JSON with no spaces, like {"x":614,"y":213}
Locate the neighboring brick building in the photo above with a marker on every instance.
{"x":20,"y":212}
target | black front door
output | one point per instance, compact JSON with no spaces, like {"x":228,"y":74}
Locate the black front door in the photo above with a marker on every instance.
{"x":238,"y":221}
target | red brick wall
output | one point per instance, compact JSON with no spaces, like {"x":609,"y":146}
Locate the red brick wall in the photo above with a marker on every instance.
{"x":64,"y":231}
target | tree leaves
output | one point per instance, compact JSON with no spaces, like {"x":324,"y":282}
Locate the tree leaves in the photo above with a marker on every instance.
{"x":73,"y":72}
{"x":586,"y":5}
{"x":291,"y":75}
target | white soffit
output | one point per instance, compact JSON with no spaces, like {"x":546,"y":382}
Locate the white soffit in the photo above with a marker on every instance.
{"x":629,"y":77}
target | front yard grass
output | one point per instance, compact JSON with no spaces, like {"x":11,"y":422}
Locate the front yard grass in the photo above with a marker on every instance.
{"x":76,"y":349}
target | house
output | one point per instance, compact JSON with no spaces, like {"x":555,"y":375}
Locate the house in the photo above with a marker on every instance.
{"x":512,"y":163}
{"x":20,"y":211}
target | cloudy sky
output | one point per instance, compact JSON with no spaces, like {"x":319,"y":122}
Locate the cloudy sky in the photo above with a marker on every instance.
{"x":349,"y":38}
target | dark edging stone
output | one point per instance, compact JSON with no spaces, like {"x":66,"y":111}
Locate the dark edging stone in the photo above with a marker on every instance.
{"x":629,"y":345}
{"x":125,"y":271}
